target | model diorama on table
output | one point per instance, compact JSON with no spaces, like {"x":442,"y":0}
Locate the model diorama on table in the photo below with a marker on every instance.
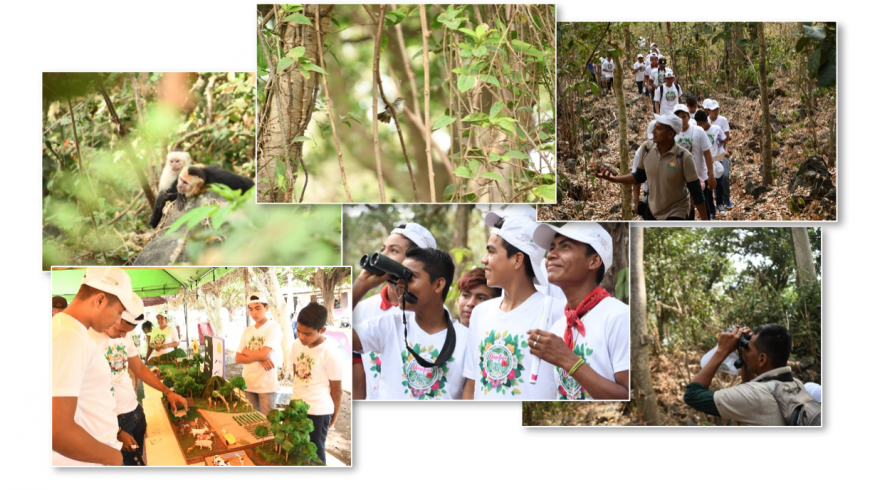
{"x":291,"y":444}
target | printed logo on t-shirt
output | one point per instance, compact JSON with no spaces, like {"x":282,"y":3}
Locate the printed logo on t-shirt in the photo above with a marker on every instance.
{"x":661,"y":77}
{"x":672,"y":166}
{"x":670,"y":96}
{"x":569,"y":388}
{"x":302,"y":367}
{"x":375,"y":361}
{"x":422,"y":382}
{"x":501,"y":362}
{"x":255,"y":342}
{"x":685,"y":142}
{"x":157,"y":340}
{"x":117,"y":357}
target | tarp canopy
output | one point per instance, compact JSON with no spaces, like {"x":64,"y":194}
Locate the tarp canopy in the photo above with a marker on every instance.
{"x":147,"y":281}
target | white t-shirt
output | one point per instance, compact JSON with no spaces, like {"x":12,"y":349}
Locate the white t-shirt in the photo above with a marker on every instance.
{"x":605,"y":348}
{"x":607,"y":68}
{"x":658,"y":76}
{"x":695,"y":140}
{"x":717,"y":139}
{"x":313,"y":369}
{"x":402,"y":377}
{"x":722,"y":123}
{"x":498,"y":358}
{"x":257,"y":379}
{"x":668,"y":98}
{"x":77,"y":370}
{"x":371,"y":361}
{"x":160,"y":336}
{"x":638,"y":77}
{"x":117,"y":352}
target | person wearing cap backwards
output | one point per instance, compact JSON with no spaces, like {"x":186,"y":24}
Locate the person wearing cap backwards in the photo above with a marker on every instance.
{"x":717,"y":141}
{"x":317,"y":373}
{"x":497,"y":360}
{"x":260,"y":351}
{"x":116,"y":345}
{"x":694,"y":139}
{"x":84,"y":428}
{"x":671,"y":172}
{"x":58,"y":304}
{"x":667,"y":96}
{"x":367,"y":365}
{"x":432,"y":371}
{"x":163,"y":339}
{"x":638,"y":70}
{"x":715,"y":119}
{"x":589,"y":346}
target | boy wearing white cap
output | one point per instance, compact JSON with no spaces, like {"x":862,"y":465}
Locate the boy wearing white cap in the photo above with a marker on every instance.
{"x":589,"y":346}
{"x":694,"y":139}
{"x":650,"y":76}
{"x":423,"y":358}
{"x":667,"y":96}
{"x":715,"y":119}
{"x":497,"y":360}
{"x":671,"y":172}
{"x":116,"y":345}
{"x":638,"y":70}
{"x":260,"y":351}
{"x":367,"y":365}
{"x":83,"y":422}
{"x":163,"y":339}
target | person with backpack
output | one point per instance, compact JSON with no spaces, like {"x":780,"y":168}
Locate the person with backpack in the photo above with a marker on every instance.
{"x":712,"y":108}
{"x":769,"y":394}
{"x":638,"y":69}
{"x":667,"y":95}
{"x":650,"y":77}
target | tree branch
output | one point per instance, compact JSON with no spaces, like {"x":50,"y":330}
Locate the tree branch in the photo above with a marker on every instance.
{"x":428,"y":132}
{"x":375,"y":76}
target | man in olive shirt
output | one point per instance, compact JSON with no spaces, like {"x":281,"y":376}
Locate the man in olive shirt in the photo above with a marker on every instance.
{"x":671,"y":172}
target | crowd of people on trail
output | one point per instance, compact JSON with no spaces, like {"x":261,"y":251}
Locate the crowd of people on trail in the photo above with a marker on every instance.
{"x":97,"y":418}
{"x":684,"y":169}
{"x":533,"y":323}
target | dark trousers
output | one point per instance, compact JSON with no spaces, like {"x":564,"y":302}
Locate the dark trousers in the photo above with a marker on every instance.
{"x":711,"y":204}
{"x":318,"y":435}
{"x":720,"y":191}
{"x":133,"y":423}
{"x":639,"y":87}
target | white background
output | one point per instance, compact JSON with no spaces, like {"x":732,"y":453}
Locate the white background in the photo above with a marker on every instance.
{"x":419,"y":445}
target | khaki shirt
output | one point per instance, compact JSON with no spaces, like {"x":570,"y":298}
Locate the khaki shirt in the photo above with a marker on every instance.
{"x":667,"y":175}
{"x":751,"y":403}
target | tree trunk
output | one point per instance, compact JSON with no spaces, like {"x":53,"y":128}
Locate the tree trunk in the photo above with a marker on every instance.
{"x":623,"y":137}
{"x":766,"y":158}
{"x":326,"y":281}
{"x":266,"y":280}
{"x":641,"y":380}
{"x":803,"y":257}
{"x":460,"y":235}
{"x":294,"y":94}
{"x":213,"y":304}
{"x":287,"y":328}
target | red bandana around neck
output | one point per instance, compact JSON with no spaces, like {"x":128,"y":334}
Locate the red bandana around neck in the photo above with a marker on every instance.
{"x":572,"y":316}
{"x":385,"y":303}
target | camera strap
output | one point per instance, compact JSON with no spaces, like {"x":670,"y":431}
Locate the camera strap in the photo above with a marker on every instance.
{"x":447,"y":349}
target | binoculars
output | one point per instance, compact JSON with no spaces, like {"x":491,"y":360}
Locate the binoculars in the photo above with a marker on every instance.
{"x":378,"y":264}
{"x":742,"y":343}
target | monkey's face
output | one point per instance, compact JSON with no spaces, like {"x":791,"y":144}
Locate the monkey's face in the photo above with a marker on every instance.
{"x":177,"y":160}
{"x":184,"y":183}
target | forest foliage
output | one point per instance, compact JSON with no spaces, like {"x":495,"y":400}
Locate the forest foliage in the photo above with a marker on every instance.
{"x":105,"y":141}
{"x":488,"y":105}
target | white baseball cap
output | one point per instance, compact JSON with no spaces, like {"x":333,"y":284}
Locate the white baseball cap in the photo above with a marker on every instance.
{"x":640,"y":56}
{"x":591,"y":234}
{"x":519,"y":232}
{"x":518,"y":210}
{"x":669,"y":73}
{"x":706,"y":103}
{"x":671,"y":120}
{"x":417,"y":234}
{"x":712,"y":105}
{"x":653,"y":55}
{"x":653,"y":44}
{"x":111,"y":280}
{"x":681,"y":107}
{"x":258,"y":297}
{"x":137,"y":313}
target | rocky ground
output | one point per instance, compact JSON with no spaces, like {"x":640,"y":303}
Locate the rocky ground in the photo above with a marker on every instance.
{"x":804,"y":187}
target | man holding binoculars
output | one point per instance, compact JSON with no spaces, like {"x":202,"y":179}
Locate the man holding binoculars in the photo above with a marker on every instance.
{"x":769,"y":395}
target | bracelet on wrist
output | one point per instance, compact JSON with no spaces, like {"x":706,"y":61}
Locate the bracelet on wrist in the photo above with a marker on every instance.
{"x":576,"y":366}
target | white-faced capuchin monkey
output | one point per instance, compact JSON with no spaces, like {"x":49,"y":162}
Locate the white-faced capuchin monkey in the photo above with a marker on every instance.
{"x":193,"y":180}
{"x":176,"y":161}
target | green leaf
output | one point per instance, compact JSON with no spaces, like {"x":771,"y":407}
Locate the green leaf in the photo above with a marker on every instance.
{"x":816,"y":33}
{"x":463,"y":172}
{"x":317,"y":68}
{"x":516,"y":154}
{"x":479,"y":51}
{"x":469,"y":32}
{"x":192,"y":217}
{"x":466,"y":83}
{"x":507,"y":125}
{"x":473,"y":165}
{"x":493,"y":157}
{"x":546,"y":192}
{"x":301,"y":138}
{"x":459,"y":70}
{"x":828,"y":73}
{"x":283,"y":64}
{"x":299,"y":19}
{"x":813,"y":63}
{"x":296,"y":52}
{"x":491,"y":175}
{"x":292,"y":8}
{"x":304,"y":72}
{"x":492,"y":80}
{"x":496,"y":109}
{"x":441,"y":122}
{"x":475,"y":117}
{"x":449,"y":190}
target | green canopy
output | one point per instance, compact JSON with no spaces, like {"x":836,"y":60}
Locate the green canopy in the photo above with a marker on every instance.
{"x":147,"y":281}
